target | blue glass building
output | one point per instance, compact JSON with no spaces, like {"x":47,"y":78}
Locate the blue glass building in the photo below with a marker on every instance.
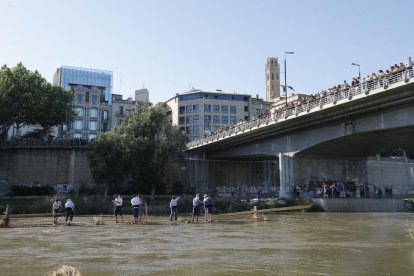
{"x":92,"y":91}
{"x":68,"y":77}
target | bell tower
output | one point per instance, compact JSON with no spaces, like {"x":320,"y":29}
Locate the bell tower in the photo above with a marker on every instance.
{"x":272,"y":79}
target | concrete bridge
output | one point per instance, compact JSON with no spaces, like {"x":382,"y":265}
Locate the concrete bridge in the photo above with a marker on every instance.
{"x":328,"y":138}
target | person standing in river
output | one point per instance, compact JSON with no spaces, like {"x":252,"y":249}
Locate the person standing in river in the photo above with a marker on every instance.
{"x":57,"y":205}
{"x":69,"y":207}
{"x":196,"y":207}
{"x":118,"y":208}
{"x":135,"y":202}
{"x":208,"y":207}
{"x":173,"y":207}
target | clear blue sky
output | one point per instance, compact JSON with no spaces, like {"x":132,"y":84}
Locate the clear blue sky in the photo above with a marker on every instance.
{"x":168,"y":46}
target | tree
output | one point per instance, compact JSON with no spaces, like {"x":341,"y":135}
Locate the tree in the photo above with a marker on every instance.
{"x":107,"y":161}
{"x":31,"y":100}
{"x":7,"y":108}
{"x":146,"y":141}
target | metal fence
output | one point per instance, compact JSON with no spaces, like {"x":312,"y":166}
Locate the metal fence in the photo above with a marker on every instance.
{"x":319,"y":102}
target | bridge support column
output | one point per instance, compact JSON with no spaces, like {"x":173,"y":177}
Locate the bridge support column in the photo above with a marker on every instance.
{"x":286,"y":174}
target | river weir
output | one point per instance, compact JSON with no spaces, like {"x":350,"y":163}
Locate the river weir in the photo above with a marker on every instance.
{"x":299,"y":243}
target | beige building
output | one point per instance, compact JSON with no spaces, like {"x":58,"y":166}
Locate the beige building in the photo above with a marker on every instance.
{"x":272,"y":69}
{"x":198,"y":112}
{"x":120,"y":108}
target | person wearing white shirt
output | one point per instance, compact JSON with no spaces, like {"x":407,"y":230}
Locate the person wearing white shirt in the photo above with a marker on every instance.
{"x":409,"y":66}
{"x":69,"y":207}
{"x":173,"y":207}
{"x":57,"y":205}
{"x":135,"y":202}
{"x":196,"y":207}
{"x":118,"y":208}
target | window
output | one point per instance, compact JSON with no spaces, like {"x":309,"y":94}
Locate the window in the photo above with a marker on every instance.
{"x":87,"y":97}
{"x":207,"y":118}
{"x":181,"y":110}
{"x":273,"y":77}
{"x":77,"y":135}
{"x":267,"y":76}
{"x":181,"y":120}
{"x":93,"y":112}
{"x":93,"y":125}
{"x":78,"y":124}
{"x":224,"y":109}
{"x":195,"y":119}
{"x":196,"y":108}
{"x":105,"y":114}
{"x":188,"y":119}
{"x":94,"y":99}
{"x":216,"y":119}
{"x":233,"y":109}
{"x":92,"y":136}
{"x":79,"y":110}
{"x":189,"y":130}
{"x":216,"y":108}
{"x":224,"y":120}
{"x":207,"y":130}
{"x":121,"y":110}
{"x":207,"y":108}
{"x":195,"y":130}
{"x":189,"y":109}
{"x":79,"y":99}
{"x":233,"y":119}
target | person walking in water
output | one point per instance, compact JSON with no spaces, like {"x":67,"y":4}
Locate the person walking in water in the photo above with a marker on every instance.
{"x":135,"y":202}
{"x":173,"y":207}
{"x":118,"y":208}
{"x":57,"y":205}
{"x":196,"y":207}
{"x":69,"y":207}
{"x":208,"y":207}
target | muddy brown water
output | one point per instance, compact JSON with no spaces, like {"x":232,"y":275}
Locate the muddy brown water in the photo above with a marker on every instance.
{"x":286,"y":244}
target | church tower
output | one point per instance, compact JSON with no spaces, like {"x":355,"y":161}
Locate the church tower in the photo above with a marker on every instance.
{"x":272,"y":79}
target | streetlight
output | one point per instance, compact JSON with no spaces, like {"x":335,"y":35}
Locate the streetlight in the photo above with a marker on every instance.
{"x":285,"y":87}
{"x":359,"y":70}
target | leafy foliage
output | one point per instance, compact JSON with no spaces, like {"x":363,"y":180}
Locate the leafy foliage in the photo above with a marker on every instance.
{"x":26,"y":98}
{"x":136,"y":152}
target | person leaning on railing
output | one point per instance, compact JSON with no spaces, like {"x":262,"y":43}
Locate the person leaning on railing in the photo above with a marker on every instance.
{"x":409,"y":65}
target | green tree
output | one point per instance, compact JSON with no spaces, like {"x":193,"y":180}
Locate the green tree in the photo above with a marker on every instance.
{"x":147,"y":142}
{"x":34,"y":100}
{"x":107,"y":161}
{"x":7,"y":108}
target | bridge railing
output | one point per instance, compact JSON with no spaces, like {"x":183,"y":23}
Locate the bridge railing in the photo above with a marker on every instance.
{"x":321,"y":101}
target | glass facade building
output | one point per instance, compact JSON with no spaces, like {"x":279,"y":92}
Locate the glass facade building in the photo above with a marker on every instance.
{"x":92,"y":91}
{"x":68,"y":76}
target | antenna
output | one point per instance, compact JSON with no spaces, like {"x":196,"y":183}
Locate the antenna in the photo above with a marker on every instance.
{"x":120,"y":82}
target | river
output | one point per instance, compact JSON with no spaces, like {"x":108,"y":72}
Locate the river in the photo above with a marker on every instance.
{"x":300,"y":243}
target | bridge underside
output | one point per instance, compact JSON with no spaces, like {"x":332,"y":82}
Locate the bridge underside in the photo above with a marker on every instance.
{"x":363,"y":145}
{"x":350,"y":146}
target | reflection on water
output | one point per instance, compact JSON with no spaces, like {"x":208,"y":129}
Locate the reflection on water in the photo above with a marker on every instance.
{"x":286,"y":244}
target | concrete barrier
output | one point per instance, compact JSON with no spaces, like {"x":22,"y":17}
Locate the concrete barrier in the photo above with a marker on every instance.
{"x":361,"y":204}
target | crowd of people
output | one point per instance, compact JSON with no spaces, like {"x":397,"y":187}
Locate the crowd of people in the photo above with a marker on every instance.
{"x":139,"y":209}
{"x":374,"y":80}
{"x":47,"y":141}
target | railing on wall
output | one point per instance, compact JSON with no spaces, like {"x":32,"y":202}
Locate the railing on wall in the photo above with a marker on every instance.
{"x":319,"y":102}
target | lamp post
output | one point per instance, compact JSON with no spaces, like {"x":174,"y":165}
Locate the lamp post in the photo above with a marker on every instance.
{"x":359,"y":70}
{"x":285,"y":87}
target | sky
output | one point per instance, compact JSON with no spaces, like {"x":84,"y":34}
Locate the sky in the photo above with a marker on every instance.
{"x":170,"y":47}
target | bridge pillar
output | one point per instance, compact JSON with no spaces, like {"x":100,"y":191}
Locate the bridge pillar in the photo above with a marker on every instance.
{"x":286,"y":174}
